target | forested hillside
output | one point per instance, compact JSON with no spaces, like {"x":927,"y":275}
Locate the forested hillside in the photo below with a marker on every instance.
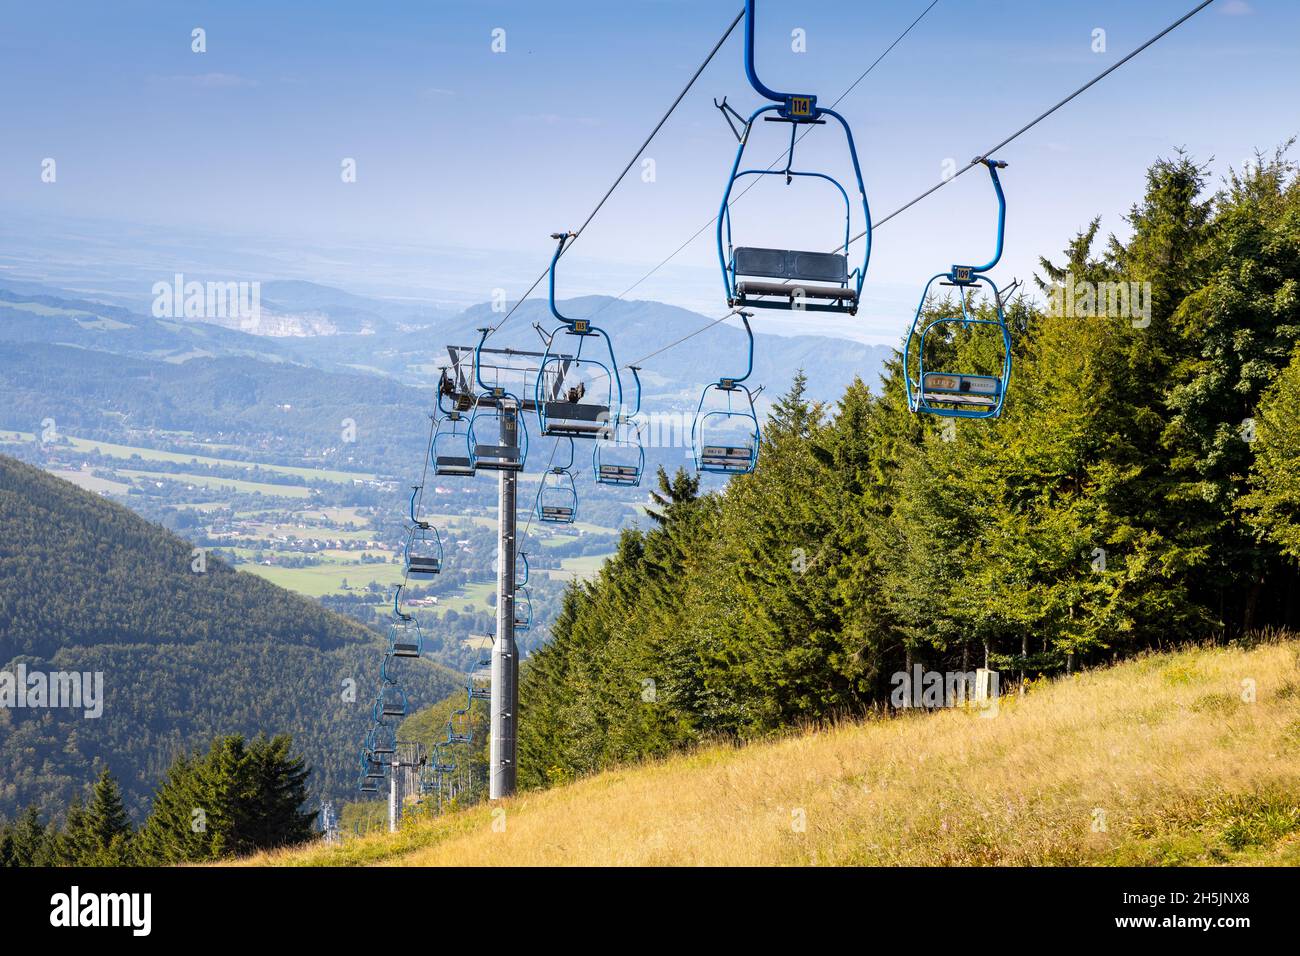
{"x":86,"y":585}
{"x":1140,"y":489}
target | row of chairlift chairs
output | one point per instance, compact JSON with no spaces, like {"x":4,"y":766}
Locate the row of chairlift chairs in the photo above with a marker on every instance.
{"x":576,"y":396}
{"x":441,"y":778}
{"x":391,"y":703}
{"x":725,"y":434}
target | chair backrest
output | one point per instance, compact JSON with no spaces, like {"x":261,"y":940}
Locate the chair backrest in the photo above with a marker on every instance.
{"x":791,"y":264}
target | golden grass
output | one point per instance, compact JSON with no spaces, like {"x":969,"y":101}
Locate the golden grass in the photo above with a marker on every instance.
{"x":1155,"y":761}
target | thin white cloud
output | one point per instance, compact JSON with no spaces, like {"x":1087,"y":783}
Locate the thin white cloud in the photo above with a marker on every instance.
{"x":1237,"y":8}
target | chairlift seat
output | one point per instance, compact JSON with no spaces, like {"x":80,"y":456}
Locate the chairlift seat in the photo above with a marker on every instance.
{"x":393,"y":709}
{"x":406,"y":649}
{"x":978,"y":391}
{"x":619,"y":474}
{"x":453,"y":465}
{"x":576,"y":419}
{"x":423,"y":566}
{"x":498,"y":457}
{"x":480,"y":693}
{"x":727,"y":457}
{"x":799,"y":272}
{"x":556,"y":513}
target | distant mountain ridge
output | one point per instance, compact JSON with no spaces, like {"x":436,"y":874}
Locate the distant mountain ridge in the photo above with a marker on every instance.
{"x":409,"y":343}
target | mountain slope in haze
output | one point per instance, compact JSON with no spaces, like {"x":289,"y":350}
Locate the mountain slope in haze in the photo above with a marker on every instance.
{"x":47,"y":319}
{"x":343,"y":311}
{"x":1158,"y":761}
{"x":87,"y":586}
{"x":281,"y":406}
{"x":323,"y":327}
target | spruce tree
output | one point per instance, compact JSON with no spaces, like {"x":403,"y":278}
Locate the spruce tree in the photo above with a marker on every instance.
{"x":107,"y":827}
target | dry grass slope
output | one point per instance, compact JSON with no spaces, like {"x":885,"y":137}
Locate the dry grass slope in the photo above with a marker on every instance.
{"x":1158,"y":761}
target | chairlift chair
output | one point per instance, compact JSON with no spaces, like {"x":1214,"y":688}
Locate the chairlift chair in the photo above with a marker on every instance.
{"x":961,"y":394}
{"x":441,"y":762}
{"x":480,"y":672}
{"x":374,"y":768}
{"x":725,"y":436}
{"x":557,"y":495}
{"x":404,"y":636}
{"x":498,"y":434}
{"x":423,"y":545}
{"x":391,"y":702}
{"x":459,"y":730}
{"x":450,"y":448}
{"x":381,"y":740}
{"x":619,"y":459}
{"x":564,"y":409}
{"x":809,"y":281}
{"x":523,"y":604}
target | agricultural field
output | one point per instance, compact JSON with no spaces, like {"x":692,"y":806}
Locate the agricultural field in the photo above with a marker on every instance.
{"x":110,"y":450}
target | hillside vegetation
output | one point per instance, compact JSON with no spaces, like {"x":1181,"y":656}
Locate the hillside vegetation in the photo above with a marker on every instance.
{"x":1164,"y":760}
{"x":86,"y":585}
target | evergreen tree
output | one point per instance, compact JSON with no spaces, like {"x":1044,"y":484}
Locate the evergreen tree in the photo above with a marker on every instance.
{"x":73,"y":843}
{"x":107,"y":828}
{"x":237,"y":798}
{"x":33,"y":843}
{"x":1272,"y":506}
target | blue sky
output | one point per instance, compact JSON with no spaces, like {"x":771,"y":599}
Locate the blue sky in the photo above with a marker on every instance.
{"x":468,"y":159}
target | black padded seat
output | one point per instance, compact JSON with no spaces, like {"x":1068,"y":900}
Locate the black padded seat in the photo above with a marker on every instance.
{"x":576,"y":419}
{"x":792,"y":264}
{"x":498,"y":457}
{"x":406,"y":650}
{"x":813,"y":275}
{"x":452,"y":465}
{"x":424,"y":566}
